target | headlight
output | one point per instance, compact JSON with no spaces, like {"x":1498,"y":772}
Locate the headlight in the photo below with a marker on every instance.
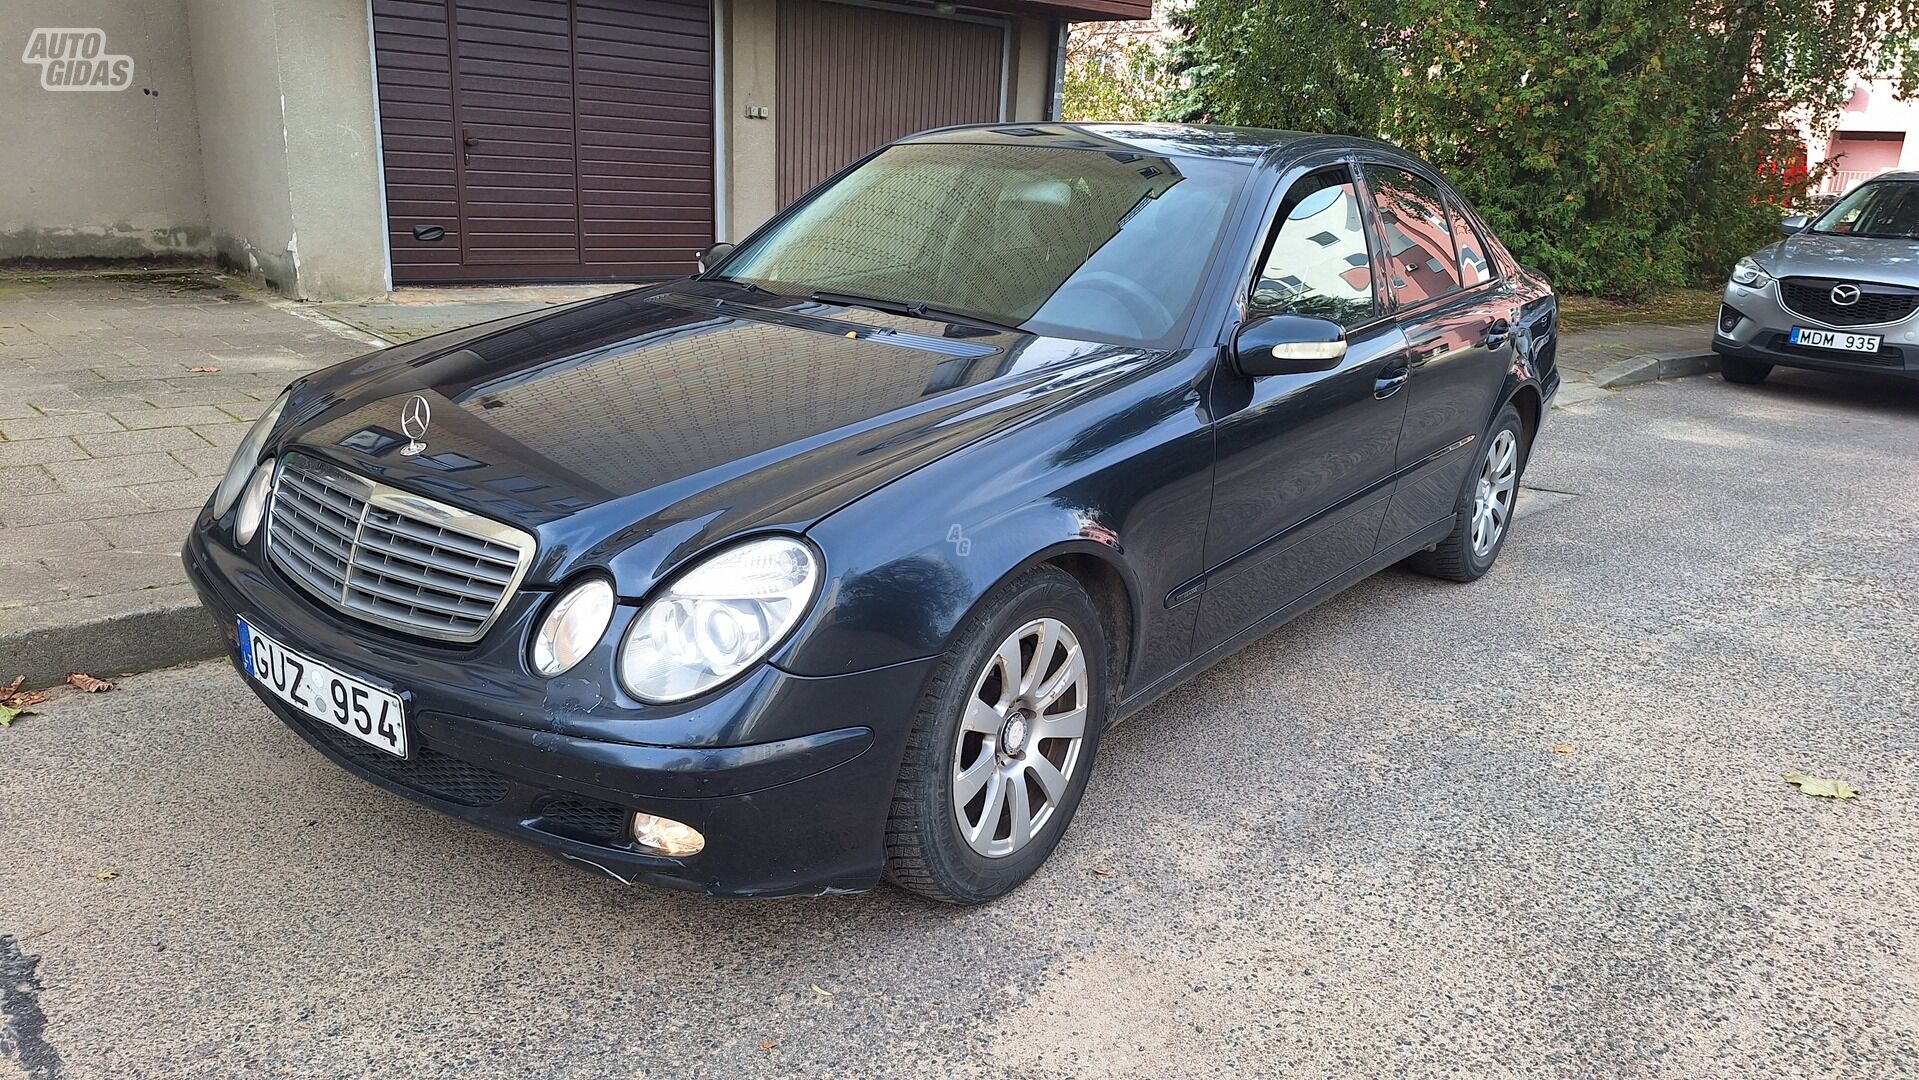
{"x":253,"y":504}
{"x":572,"y":627}
{"x":1749,"y":273}
{"x":245,"y":457}
{"x":717,"y":619}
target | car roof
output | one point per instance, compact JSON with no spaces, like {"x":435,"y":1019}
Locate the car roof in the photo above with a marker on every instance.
{"x":1248,"y":145}
{"x":1905,"y":175}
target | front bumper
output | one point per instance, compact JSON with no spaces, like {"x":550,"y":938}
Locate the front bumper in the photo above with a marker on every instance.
{"x":1764,"y":324}
{"x":558,"y":765}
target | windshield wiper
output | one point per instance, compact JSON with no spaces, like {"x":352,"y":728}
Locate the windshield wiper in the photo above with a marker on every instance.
{"x":918,"y":309}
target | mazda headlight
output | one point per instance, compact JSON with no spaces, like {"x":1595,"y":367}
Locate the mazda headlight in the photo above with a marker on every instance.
{"x":717,"y":619}
{"x":246,"y":456}
{"x":1749,"y":273}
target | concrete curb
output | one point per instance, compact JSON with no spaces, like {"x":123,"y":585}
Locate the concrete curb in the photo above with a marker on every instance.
{"x":1642,"y":369}
{"x":148,"y":640}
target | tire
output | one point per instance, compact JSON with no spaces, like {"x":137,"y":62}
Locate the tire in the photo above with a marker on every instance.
{"x":928,"y":847}
{"x":1745,"y":372}
{"x":1463,"y":555}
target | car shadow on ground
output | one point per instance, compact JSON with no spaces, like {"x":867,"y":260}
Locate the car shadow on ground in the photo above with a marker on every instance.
{"x":1889,"y":395}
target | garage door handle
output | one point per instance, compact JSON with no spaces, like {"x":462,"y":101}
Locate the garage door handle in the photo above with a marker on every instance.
{"x":467,"y":142}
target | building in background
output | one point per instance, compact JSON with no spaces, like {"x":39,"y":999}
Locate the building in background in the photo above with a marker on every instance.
{"x":340,"y":147}
{"x":1875,"y":134}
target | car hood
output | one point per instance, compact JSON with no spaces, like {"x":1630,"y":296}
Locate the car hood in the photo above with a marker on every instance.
{"x":1854,"y":258}
{"x":630,"y":431}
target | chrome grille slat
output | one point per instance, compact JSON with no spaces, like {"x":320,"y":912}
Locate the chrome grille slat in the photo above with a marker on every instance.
{"x":425,"y":577}
{"x":390,"y":557}
{"x":469,"y":546}
{"x":385,"y":543}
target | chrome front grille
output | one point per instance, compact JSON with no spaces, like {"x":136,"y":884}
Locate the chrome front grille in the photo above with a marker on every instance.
{"x":390,"y":557}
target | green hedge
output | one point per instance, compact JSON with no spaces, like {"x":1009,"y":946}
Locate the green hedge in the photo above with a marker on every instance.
{"x":1619,"y":147}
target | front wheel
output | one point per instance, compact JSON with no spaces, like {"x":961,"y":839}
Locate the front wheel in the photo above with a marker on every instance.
{"x":1484,"y":514}
{"x":1002,"y":744}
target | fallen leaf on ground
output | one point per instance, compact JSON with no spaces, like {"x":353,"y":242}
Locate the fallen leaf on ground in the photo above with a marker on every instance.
{"x":822,"y":991}
{"x":768,"y":1045}
{"x":107,"y":875}
{"x":7,"y":713}
{"x":86,"y":683}
{"x":205,"y":369}
{"x":1103,"y":871}
{"x":1824,"y":787}
{"x":18,"y":698}
{"x":1564,"y":748}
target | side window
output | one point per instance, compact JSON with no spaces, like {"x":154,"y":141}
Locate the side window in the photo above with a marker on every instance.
{"x":1419,"y":244}
{"x":1475,"y":261}
{"x":1317,"y":261}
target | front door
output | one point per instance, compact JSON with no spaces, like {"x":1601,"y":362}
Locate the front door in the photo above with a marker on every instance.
{"x":1305,"y":462}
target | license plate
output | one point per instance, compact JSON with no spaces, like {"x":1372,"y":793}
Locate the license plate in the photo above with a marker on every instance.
{"x":1835,"y":339}
{"x":372,"y":715}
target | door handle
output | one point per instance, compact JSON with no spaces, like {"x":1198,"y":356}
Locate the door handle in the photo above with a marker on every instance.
{"x":467,"y":143}
{"x":1391,"y":378}
{"x":1497,"y":333}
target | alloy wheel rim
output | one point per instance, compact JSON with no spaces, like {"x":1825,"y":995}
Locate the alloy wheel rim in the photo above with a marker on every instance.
{"x":1020,"y":738}
{"x":1498,"y":485}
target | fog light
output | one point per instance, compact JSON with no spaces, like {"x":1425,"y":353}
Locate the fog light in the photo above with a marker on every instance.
{"x":253,"y":504}
{"x":1728,"y":319}
{"x":666,"y":836}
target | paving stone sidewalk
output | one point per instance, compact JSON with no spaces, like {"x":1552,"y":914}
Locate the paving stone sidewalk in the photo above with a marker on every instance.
{"x":122,"y":395}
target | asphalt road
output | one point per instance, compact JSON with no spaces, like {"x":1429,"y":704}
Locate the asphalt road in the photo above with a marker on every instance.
{"x":1351,"y":851}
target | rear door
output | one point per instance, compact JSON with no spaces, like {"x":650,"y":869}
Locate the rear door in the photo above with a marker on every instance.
{"x":1305,"y":462}
{"x":1455,"y":314}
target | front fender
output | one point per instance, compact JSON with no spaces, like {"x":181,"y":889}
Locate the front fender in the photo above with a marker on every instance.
{"x":1123,"y":476}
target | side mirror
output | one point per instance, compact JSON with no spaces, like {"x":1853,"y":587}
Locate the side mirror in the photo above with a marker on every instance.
{"x":1288,"y":345}
{"x":711,"y":257}
{"x":1794,"y":225}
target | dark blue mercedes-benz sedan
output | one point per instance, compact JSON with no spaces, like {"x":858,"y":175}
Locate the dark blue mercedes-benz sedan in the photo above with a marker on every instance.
{"x":834,"y":561}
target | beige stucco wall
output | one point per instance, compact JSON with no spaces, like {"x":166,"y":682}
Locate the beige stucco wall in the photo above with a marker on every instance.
{"x":100,"y":173}
{"x":290,"y":160}
{"x":750,"y":50}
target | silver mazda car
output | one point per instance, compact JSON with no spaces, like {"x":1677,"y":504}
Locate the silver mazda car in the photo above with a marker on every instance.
{"x":1840,"y":293}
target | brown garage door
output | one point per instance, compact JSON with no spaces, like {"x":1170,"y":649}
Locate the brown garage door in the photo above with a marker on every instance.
{"x":852,"y":78}
{"x":545,"y":140}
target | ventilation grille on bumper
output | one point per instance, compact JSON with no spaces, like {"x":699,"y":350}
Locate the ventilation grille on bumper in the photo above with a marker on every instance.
{"x":427,"y":770}
{"x":588,"y":820}
{"x":1812,"y":297}
{"x":391,"y":558}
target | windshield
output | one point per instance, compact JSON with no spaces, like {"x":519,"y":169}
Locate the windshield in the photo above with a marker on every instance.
{"x":1888,"y":210}
{"x":1107,"y":246}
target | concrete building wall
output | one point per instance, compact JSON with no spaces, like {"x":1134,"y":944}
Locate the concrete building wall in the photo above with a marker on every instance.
{"x":333,"y":147}
{"x":750,"y":71}
{"x":290,"y":161}
{"x":243,"y":151}
{"x":101,"y":173}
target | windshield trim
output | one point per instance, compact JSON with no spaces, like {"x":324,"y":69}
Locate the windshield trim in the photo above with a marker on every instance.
{"x":1183,"y":333}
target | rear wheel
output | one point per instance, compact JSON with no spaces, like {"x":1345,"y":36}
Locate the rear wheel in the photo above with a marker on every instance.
{"x":1002,"y":743}
{"x":1484,"y":514}
{"x":1748,"y":372}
